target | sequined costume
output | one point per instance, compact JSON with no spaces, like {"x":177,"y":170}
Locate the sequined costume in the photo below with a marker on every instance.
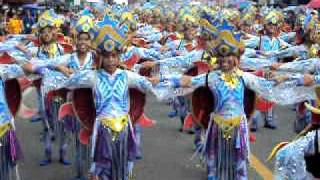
{"x":290,"y":160}
{"x":10,"y":151}
{"x":227,"y":145}
{"x":113,"y":141}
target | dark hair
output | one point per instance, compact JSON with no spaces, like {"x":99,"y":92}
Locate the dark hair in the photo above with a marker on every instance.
{"x":82,"y":32}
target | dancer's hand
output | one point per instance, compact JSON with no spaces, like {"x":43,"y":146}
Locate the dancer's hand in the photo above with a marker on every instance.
{"x":280,"y":79}
{"x":66,"y":71}
{"x":149,"y":64}
{"x":163,"y":49}
{"x":275,"y":66}
{"x":308,"y":79}
{"x":154,"y":80}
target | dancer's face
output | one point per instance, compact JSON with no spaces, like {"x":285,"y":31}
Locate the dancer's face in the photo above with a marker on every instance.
{"x":110,"y":61}
{"x":83,"y":43}
{"x":271,"y":29}
{"x":228,"y":63}
{"x":46,"y":35}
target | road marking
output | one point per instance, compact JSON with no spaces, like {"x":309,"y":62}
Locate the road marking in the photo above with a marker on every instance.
{"x":261,"y":169}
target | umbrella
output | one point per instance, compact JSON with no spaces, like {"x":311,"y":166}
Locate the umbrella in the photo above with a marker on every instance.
{"x":314,"y":4}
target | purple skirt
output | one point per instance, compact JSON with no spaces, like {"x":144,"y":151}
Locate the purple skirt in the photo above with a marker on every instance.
{"x":111,"y":157}
{"x":227,"y":158}
{"x":10,"y":153}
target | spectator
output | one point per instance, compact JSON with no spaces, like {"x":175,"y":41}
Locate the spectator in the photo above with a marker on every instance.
{"x":2,"y":24}
{"x":15,"y":25}
{"x":28,"y":21}
{"x":291,"y":19}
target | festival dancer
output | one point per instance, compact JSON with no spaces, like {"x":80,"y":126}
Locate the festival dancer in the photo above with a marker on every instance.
{"x":113,"y":141}
{"x":270,"y":41}
{"x":49,"y":49}
{"x":82,"y":59}
{"x":227,"y":146}
{"x":10,"y":151}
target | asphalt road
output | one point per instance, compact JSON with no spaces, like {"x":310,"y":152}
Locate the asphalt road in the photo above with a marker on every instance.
{"x":167,"y":152}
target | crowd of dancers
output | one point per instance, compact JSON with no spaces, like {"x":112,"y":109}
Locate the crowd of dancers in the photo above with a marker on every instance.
{"x":220,"y":69}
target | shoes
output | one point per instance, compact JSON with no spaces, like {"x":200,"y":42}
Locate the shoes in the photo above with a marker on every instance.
{"x":198,"y":146}
{"x":190,"y":131}
{"x":139,"y":155}
{"x":253,"y":129}
{"x":35,"y":119}
{"x":270,"y":126}
{"x":172,"y":114}
{"x":65,"y":162}
{"x":45,"y":162}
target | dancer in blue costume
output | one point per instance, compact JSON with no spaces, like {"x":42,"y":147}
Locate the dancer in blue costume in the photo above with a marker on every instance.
{"x":48,"y":50}
{"x":81,"y":59}
{"x":113,"y":141}
{"x":267,"y":43}
{"x":10,"y":151}
{"x":227,"y":146}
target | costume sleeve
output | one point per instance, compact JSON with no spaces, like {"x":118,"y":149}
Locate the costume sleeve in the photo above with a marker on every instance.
{"x":288,"y":37}
{"x":302,"y":66}
{"x":38,"y":65}
{"x":179,"y":63}
{"x":81,"y":79}
{"x":10,"y":71}
{"x":170,"y":85}
{"x":288,"y":92}
{"x":157,"y":46}
{"x":290,"y":160}
{"x":255,"y":63}
{"x":140,"y":82}
{"x":54,"y":80}
{"x":284,"y":44}
{"x":300,"y":51}
{"x":252,"y":42}
{"x":154,"y":37}
{"x":147,"y":53}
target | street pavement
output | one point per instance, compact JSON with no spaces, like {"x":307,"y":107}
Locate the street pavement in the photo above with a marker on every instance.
{"x":167,"y":152}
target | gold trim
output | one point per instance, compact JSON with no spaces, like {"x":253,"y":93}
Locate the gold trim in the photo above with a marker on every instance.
{"x":227,"y":125}
{"x":4,"y":128}
{"x":116,"y":124}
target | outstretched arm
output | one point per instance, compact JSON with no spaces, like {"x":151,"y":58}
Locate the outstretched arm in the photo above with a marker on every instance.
{"x":11,"y":71}
{"x":176,"y":64}
{"x":288,"y":92}
{"x":290,"y":160}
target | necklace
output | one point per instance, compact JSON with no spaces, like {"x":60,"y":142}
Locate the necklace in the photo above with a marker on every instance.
{"x":231,"y":78}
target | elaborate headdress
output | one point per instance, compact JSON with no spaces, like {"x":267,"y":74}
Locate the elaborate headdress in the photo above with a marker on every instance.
{"x":228,"y":42}
{"x":49,"y":18}
{"x":274,"y":17}
{"x":225,"y":41}
{"x":85,"y":24}
{"x":109,"y":35}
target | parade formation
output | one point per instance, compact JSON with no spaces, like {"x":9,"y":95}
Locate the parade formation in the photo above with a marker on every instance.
{"x":220,"y":67}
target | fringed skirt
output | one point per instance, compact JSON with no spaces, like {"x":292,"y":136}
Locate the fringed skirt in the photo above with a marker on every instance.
{"x":80,"y":151}
{"x":112,"y":156}
{"x":227,"y":159}
{"x":10,"y":153}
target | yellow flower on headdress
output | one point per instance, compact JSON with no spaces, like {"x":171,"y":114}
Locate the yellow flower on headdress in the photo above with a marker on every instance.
{"x":274,"y":17}
{"x":189,"y":18}
{"x":49,"y":18}
{"x":84,"y":24}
